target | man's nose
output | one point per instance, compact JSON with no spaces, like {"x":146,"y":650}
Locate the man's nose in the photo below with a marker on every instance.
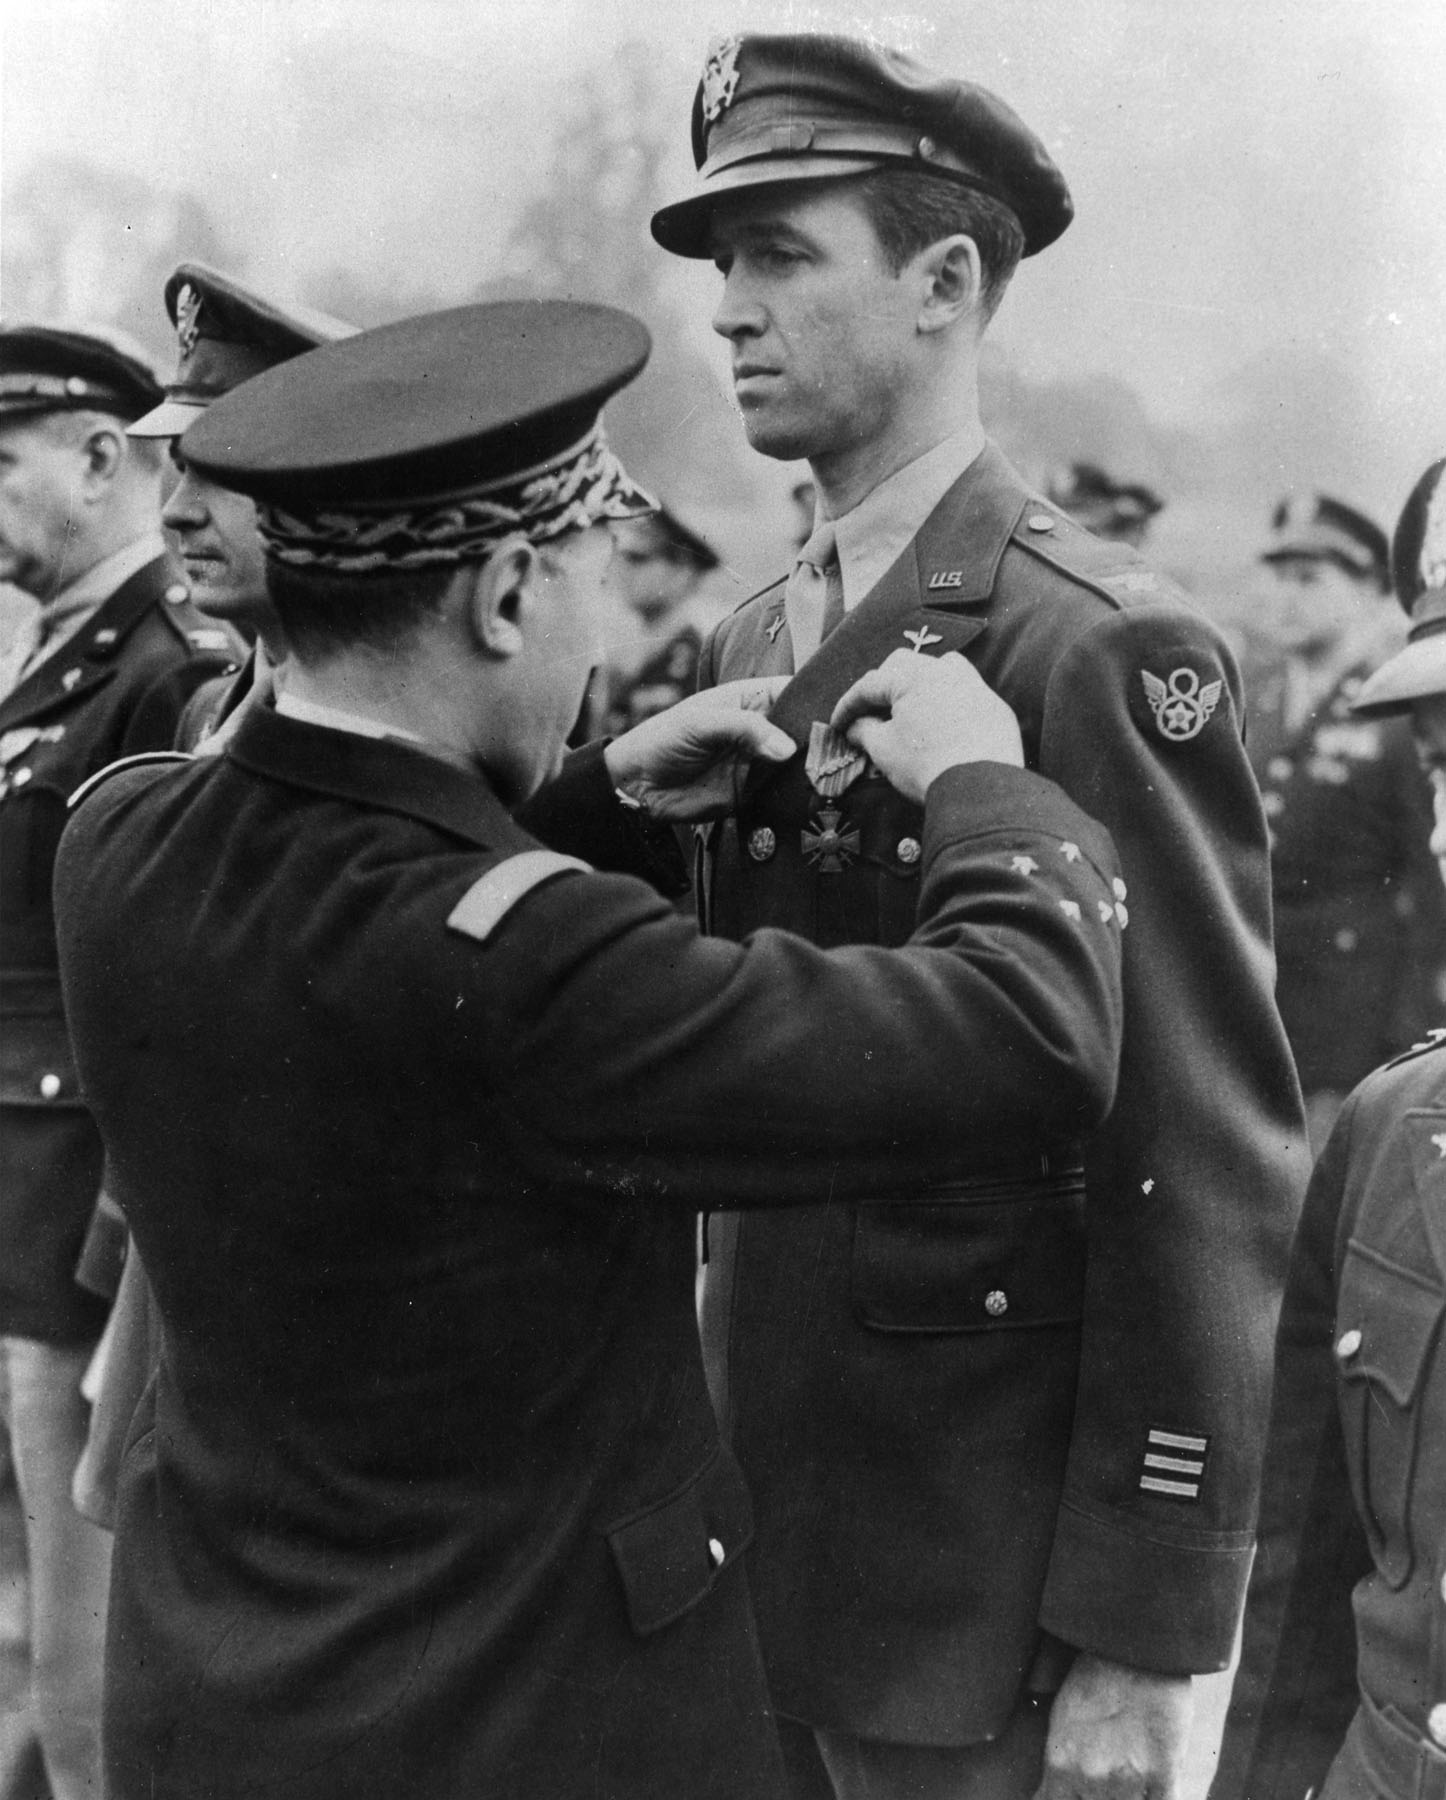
{"x":185,"y":509}
{"x":738,"y":313}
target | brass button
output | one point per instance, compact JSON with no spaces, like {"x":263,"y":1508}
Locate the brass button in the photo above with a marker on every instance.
{"x":717,"y":1552}
{"x":20,"y":777}
{"x":996,"y":1303}
{"x":177,"y":592}
{"x":1349,"y":1344}
{"x":49,"y":1086}
{"x":926,"y":147}
{"x":1280,"y":768}
{"x":75,"y":386}
{"x":1040,"y":522}
{"x":909,"y":850}
{"x":761,"y":844}
{"x":70,"y":679}
{"x":1346,"y":939}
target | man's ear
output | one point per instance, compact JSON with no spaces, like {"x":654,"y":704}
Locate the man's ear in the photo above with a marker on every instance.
{"x":954,"y":281}
{"x":103,"y":453}
{"x":500,"y":598}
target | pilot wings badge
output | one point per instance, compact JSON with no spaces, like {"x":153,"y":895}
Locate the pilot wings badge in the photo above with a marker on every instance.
{"x":720,"y":76}
{"x":1181,"y":705}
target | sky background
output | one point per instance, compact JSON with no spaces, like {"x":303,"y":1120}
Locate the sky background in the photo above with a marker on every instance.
{"x":1253,"y":292}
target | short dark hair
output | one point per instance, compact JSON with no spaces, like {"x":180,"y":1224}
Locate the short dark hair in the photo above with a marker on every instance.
{"x":910,"y":209}
{"x":323,"y":612}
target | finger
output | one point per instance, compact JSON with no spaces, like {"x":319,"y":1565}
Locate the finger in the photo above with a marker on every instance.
{"x":869,"y":734}
{"x":871,"y":694}
{"x":754,"y":736}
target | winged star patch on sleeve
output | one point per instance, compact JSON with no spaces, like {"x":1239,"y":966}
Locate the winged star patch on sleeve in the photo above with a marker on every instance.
{"x":1182,"y":705}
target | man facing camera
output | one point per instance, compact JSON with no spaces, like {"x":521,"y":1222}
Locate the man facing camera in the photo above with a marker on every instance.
{"x":427,"y":1496}
{"x":1005,"y":1463}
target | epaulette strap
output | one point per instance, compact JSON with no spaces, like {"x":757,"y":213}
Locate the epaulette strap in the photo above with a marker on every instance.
{"x":144,"y":759}
{"x":489,"y":900}
{"x":1433,"y":1040}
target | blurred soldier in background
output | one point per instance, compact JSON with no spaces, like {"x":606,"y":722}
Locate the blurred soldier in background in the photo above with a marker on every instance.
{"x":226,"y":333}
{"x":657,"y":570}
{"x":103,"y":668}
{"x":1360,"y":916}
{"x":1341,"y":1689}
{"x":1121,"y":510}
{"x":1004,"y":1458}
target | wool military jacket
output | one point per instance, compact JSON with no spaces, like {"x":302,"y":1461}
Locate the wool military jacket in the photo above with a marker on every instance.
{"x":411,"y":1127}
{"x":1360,"y":913}
{"x":1040,"y":1411}
{"x":1342,"y":1681}
{"x":116,"y":687}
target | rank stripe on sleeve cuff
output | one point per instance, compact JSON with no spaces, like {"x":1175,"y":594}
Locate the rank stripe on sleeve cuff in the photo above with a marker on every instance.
{"x":1174,"y":1464}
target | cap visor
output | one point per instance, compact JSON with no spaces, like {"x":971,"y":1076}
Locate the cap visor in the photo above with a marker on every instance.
{"x":169,"y":419}
{"x":1415,"y":673}
{"x":685,"y":226}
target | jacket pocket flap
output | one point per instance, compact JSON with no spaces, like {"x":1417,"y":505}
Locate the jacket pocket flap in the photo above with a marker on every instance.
{"x":1396,"y":1314}
{"x":991,"y":1265}
{"x":670,"y":1555}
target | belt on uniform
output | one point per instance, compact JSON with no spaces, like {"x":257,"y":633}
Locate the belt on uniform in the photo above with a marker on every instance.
{"x":1400,"y":1760}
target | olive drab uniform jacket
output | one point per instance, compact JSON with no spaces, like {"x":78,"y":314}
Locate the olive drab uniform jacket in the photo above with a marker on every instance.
{"x":116,"y":687}
{"x":411,"y":1119}
{"x":1032,"y":1407}
{"x":1342,"y":1681}
{"x":1360,"y":912}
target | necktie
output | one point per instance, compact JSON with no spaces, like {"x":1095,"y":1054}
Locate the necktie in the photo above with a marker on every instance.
{"x":813,"y":601}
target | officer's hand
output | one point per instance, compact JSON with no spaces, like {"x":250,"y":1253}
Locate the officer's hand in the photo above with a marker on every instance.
{"x":916,"y":716}
{"x":1117,"y":1733}
{"x":685,"y":764}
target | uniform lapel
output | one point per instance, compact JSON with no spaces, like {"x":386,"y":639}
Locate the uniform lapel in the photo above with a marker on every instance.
{"x":1427,"y":1130}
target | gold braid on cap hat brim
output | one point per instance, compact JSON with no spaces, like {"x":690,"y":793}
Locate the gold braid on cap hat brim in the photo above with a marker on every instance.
{"x":582,"y":487}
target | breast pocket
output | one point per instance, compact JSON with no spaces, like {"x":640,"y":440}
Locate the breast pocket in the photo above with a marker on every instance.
{"x":1387,"y":1319}
{"x":981,"y":1256}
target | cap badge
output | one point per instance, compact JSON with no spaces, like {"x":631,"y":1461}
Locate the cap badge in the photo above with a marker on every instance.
{"x":188,"y":318}
{"x":1181,"y":705}
{"x":1433,"y":541}
{"x":720,"y":76}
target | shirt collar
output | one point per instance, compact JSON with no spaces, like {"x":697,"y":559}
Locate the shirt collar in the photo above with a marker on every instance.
{"x":79,"y":600}
{"x":872,"y":536}
{"x":336,"y":718}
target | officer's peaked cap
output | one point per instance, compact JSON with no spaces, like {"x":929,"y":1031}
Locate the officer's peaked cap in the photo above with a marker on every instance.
{"x":1418,"y":567}
{"x":48,"y":368}
{"x":427,"y":441}
{"x":226,"y":332}
{"x":773,"y":109}
{"x":1319,"y":528}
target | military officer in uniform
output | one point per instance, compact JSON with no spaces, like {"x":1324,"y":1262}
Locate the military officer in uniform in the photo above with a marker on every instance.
{"x":426,"y":1497}
{"x":226,"y":332}
{"x":1110,"y":508}
{"x":1360,"y":916}
{"x":113,"y":651}
{"x":1004,"y":1457}
{"x":660,"y":563}
{"x":1341,"y":1689}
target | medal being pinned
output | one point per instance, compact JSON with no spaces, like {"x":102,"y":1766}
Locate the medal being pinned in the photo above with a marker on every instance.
{"x":832,"y":765}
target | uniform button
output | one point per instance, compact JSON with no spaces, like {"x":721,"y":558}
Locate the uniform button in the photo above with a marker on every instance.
{"x":1348,"y":1345}
{"x":75,"y":386}
{"x":926,"y":147}
{"x":20,"y":777}
{"x":177,"y":592}
{"x":717,"y":1552}
{"x":106,"y":638}
{"x":761,"y":844}
{"x":70,"y":679}
{"x":1280,"y":768}
{"x":1040,"y":522}
{"x":49,"y":1086}
{"x":909,"y":850}
{"x":1346,"y":939}
{"x":996,"y":1303}
{"x":1436,"y":1722}
{"x":1274,"y":805}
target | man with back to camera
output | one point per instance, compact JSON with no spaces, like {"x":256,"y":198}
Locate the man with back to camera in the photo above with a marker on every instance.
{"x":1360,"y":917}
{"x":1004,"y":1468}
{"x":113,"y":652}
{"x":427,"y":1497}
{"x":1341,"y":1688}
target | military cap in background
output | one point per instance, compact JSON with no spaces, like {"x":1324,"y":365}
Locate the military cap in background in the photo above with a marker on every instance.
{"x":667,"y":535}
{"x":429,"y":441}
{"x":805,"y":108}
{"x":47,"y":368}
{"x":1418,"y":567}
{"x":1314,"y":527}
{"x":227,"y":333}
{"x":1109,"y":508}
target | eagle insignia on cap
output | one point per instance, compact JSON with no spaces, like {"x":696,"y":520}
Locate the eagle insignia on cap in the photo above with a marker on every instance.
{"x":720,"y":76}
{"x":1433,"y":541}
{"x":188,"y":318}
{"x":1181,"y":705}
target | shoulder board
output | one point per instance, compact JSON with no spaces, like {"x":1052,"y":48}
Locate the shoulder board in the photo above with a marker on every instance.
{"x":1434,"y":1040}
{"x":200,"y":635}
{"x":487,"y":902}
{"x":146,"y":759}
{"x":1112,"y":571}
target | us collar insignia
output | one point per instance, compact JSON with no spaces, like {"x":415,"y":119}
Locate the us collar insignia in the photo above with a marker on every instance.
{"x":1181,"y":705}
{"x":720,"y":77}
{"x":832,"y":765}
{"x":188,"y":319}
